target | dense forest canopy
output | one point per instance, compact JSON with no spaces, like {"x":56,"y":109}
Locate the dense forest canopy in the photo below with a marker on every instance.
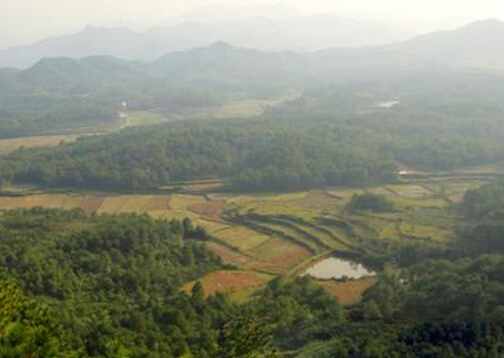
{"x":102,"y":275}
{"x":484,"y":212}
{"x":108,"y":286}
{"x":349,"y":130}
{"x":257,"y":155}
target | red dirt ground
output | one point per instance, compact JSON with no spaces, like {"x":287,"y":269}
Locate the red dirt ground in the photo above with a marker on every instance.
{"x":212,"y":208}
{"x":228,"y":255}
{"x":349,"y":292}
{"x":92,"y":204}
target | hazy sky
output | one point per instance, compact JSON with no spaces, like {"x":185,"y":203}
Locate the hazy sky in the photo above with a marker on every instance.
{"x":23,"y":21}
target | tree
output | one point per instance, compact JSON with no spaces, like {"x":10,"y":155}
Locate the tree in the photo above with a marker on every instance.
{"x":243,"y":337}
{"x":187,"y":227}
{"x":27,"y":329}
{"x":187,"y":255}
{"x":369,"y":201}
{"x":371,"y":310}
{"x":197,"y":292}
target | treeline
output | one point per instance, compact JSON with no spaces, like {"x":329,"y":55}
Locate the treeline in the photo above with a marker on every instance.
{"x":440,"y":121}
{"x":330,"y":136}
{"x":463,"y":289}
{"x":257,"y":155}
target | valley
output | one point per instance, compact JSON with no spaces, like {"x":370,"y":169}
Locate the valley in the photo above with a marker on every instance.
{"x":231,"y":202}
{"x":265,"y":235}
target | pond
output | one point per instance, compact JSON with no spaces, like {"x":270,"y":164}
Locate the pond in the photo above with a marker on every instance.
{"x":337,"y":268}
{"x":387,"y":104}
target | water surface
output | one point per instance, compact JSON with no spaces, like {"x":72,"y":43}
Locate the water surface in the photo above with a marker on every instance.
{"x":334,"y":267}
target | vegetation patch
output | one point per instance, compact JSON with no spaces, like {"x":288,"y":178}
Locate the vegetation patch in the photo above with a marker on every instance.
{"x":411,"y":190}
{"x":419,"y":202}
{"x":47,"y":201}
{"x":372,"y":202}
{"x":348,"y":292}
{"x":242,"y":238}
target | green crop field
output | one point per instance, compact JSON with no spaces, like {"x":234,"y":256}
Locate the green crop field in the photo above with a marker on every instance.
{"x":242,"y":238}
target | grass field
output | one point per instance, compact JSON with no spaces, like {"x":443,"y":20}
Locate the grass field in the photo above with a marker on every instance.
{"x":412,"y":191}
{"x":277,"y":255}
{"x":9,"y":145}
{"x":143,"y":118}
{"x":242,"y":238}
{"x":239,"y":284}
{"x":238,"y":108}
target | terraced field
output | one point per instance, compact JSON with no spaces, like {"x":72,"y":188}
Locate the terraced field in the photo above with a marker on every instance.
{"x":267,"y":235}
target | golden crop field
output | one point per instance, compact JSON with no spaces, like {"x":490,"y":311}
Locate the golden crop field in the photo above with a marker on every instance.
{"x":239,"y":284}
{"x":241,"y":237}
{"x":277,"y":255}
{"x":9,"y":145}
{"x":228,"y":255}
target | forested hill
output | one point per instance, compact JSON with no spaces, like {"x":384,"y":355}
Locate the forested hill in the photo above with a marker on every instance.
{"x":66,"y":93}
{"x":484,"y":212}
{"x":107,"y":286}
{"x":351,"y":133}
{"x":257,"y":155}
{"x":109,"y":281}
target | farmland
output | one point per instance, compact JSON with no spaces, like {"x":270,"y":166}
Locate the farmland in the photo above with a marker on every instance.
{"x":265,"y":235}
{"x":9,"y":145}
{"x":238,"y":283}
{"x":238,"y":108}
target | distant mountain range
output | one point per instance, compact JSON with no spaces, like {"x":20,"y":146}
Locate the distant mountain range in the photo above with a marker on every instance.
{"x":293,"y":34}
{"x":120,"y":42}
{"x":478,"y":45}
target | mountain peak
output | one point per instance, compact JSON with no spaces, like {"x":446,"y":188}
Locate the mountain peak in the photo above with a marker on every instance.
{"x":92,"y":30}
{"x":483,"y":25}
{"x":483,"y":22}
{"x":221,"y":45}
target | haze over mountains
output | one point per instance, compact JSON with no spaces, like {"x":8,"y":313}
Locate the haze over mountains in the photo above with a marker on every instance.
{"x":310,"y":33}
{"x":473,"y":46}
